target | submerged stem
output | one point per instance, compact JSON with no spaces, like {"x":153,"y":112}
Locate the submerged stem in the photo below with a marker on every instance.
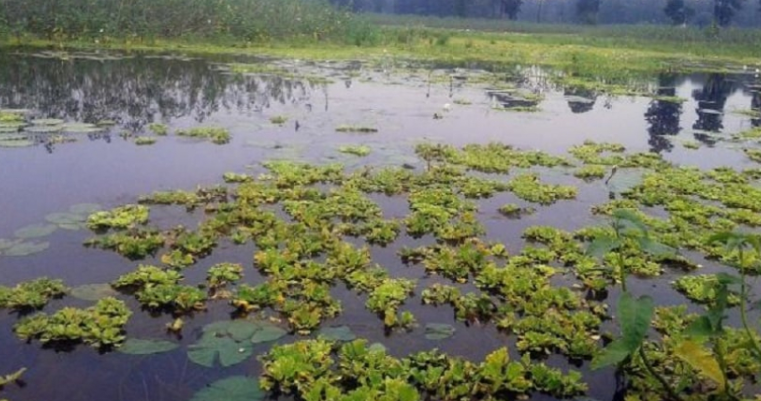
{"x":672,"y":395}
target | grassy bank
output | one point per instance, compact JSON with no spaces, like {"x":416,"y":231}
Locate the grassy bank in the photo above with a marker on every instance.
{"x":580,"y":52}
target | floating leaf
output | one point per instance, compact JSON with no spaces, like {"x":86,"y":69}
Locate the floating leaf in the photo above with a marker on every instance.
{"x":340,"y":333}
{"x":6,"y":244}
{"x":238,"y":330}
{"x":43,"y":129}
{"x":237,"y":388}
{"x":15,"y":143}
{"x":47,"y":121}
{"x":625,"y":179}
{"x":266,"y":333}
{"x":81,"y":128}
{"x":602,"y":245}
{"x":65,"y":218}
{"x":35,"y":231}
{"x":93,"y":292}
{"x":85,"y":208}
{"x":136,"y":346}
{"x":438,"y":331}
{"x":26,"y":248}
{"x":212,"y":348}
{"x":634,"y":316}
{"x":613,"y":354}
{"x":701,"y":360}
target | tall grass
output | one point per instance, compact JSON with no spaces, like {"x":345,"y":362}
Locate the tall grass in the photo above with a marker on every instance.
{"x":251,"y":20}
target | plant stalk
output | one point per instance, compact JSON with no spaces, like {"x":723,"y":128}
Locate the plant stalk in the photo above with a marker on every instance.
{"x":671,"y":393}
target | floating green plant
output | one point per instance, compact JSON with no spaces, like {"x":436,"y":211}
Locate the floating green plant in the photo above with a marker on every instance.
{"x":33,"y":294}
{"x":278,"y":120}
{"x":359,"y":129}
{"x":358,"y":150}
{"x":119,"y":218}
{"x":100,"y":326}
{"x":514,"y":211}
{"x":145,"y":140}
{"x":217,"y":135}
{"x":236,"y":178}
{"x":590,"y":172}
{"x":158,"y":129}
{"x":528,"y":187}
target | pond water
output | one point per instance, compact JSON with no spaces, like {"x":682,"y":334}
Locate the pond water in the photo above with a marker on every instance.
{"x":407,"y":104}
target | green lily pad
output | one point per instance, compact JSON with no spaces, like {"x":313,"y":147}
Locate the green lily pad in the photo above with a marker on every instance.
{"x":65,"y":218}
{"x":238,"y":330}
{"x":47,"y":121}
{"x":266,"y":333}
{"x":625,"y":179}
{"x":438,"y":331}
{"x":93,"y":292}
{"x":10,"y":128}
{"x":226,"y":350}
{"x":15,"y":143}
{"x":340,"y":333}
{"x":85,"y":208}
{"x":72,"y":226}
{"x":236,"y":388}
{"x":35,"y":231}
{"x":26,"y":248}
{"x":81,"y":128}
{"x":136,"y":346}
{"x":43,"y":129}
{"x":6,"y":244}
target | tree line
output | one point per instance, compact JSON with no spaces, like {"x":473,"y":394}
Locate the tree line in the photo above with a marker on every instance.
{"x":678,"y":12}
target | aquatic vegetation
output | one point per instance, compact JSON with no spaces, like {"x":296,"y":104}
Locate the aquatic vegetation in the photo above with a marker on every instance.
{"x":21,"y":248}
{"x":217,"y":135}
{"x":34,"y":294}
{"x":145,"y":276}
{"x":158,"y":129}
{"x":530,"y":188}
{"x":222,"y":274}
{"x":137,"y":346}
{"x":753,"y":154}
{"x":145,"y":140}
{"x":438,"y":331}
{"x":236,"y":178}
{"x":703,"y":289}
{"x":308,"y":367}
{"x":100,"y":326}
{"x":489,"y":158}
{"x":236,"y":388}
{"x":590,"y":172}
{"x":357,"y":129}
{"x":190,"y":200}
{"x":514,"y":211}
{"x":93,"y":292}
{"x":359,"y":150}
{"x":278,"y":120}
{"x":693,"y":145}
{"x":11,"y":377}
{"x":386,"y":298}
{"x":340,"y":333}
{"x":119,"y":218}
{"x":598,"y":153}
{"x":136,"y":243}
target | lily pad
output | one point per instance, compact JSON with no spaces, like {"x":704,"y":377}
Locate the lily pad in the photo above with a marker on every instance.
{"x":15,"y":143}
{"x":43,"y":129}
{"x":35,"y":231}
{"x":26,"y":248}
{"x":625,"y":179}
{"x":136,"y":346}
{"x":236,"y":388}
{"x":266,"y":333}
{"x":341,"y":333}
{"x":81,"y":128}
{"x":47,"y":121}
{"x":7,"y":244}
{"x":93,"y":292}
{"x":65,"y":218}
{"x":438,"y":331}
{"x":226,"y":350}
{"x":85,"y":208}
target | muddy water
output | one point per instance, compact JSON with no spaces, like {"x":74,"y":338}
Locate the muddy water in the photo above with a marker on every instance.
{"x":137,"y":90}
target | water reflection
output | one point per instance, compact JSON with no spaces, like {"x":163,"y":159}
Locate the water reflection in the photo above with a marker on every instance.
{"x":663,"y":115}
{"x":755,"y":106}
{"x":137,"y":91}
{"x":711,"y":99}
{"x":580,"y":100}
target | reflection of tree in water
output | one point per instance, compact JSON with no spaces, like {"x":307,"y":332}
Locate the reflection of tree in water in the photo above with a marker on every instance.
{"x":755,"y":105}
{"x":663,"y":116}
{"x":137,"y":91}
{"x":711,"y":100}
{"x":580,"y":100}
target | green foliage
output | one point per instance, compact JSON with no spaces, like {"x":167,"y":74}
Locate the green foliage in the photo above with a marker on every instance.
{"x":528,"y":187}
{"x":158,"y":129}
{"x":217,"y":135}
{"x":386,"y":299}
{"x":145,"y":140}
{"x":278,"y":120}
{"x":358,"y":129}
{"x":100,"y":326}
{"x":358,"y":150}
{"x":135,"y":243}
{"x":34,"y":294}
{"x":590,"y":172}
{"x":222,"y":274}
{"x":634,"y":316}
{"x":119,"y":218}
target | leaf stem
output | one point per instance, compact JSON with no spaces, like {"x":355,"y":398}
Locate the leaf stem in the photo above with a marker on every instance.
{"x":671,"y":393}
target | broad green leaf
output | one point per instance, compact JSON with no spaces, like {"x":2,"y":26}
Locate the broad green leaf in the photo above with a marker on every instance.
{"x":613,"y":354}
{"x":35,"y":231}
{"x":701,"y":360}
{"x":655,"y":248}
{"x":266,"y":333}
{"x":26,"y":248}
{"x":438,"y":331}
{"x":634,"y":316}
{"x":93,"y":292}
{"x":728,"y":279}
{"x":629,"y":217}
{"x":700,"y":328}
{"x":136,"y":346}
{"x":224,"y":349}
{"x":602,"y":245}
{"x":237,"y":388}
{"x":341,"y":333}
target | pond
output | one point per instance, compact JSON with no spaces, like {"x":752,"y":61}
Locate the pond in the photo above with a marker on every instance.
{"x":88,"y":134}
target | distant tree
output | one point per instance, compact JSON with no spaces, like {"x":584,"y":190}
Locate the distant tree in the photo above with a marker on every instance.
{"x":724,"y":10}
{"x":587,"y":10}
{"x":678,"y":11}
{"x":511,"y":8}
